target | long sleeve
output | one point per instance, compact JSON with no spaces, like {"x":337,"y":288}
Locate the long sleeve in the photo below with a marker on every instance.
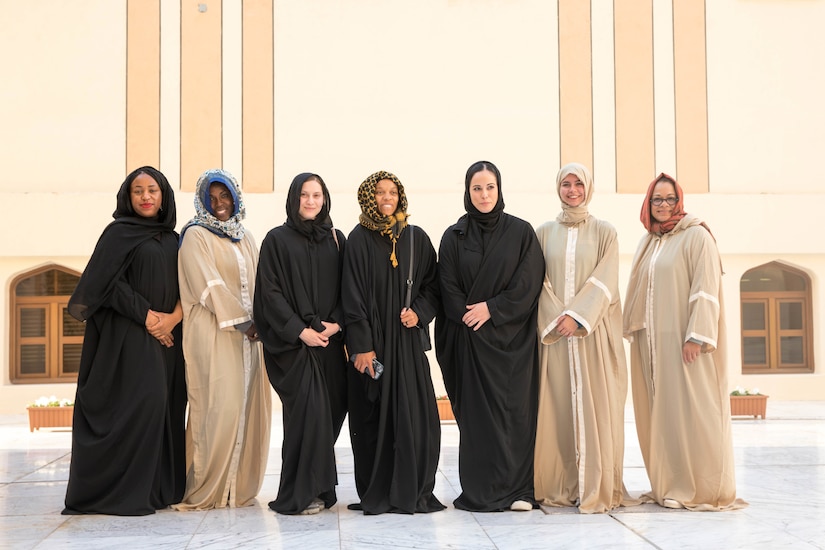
{"x":271,"y":304}
{"x":703,"y":302}
{"x":199,"y":271}
{"x":517,"y":300}
{"x":453,"y":297}
{"x":127,"y":302}
{"x":426,"y":293}
{"x":601,"y":288}
{"x":356,"y":297}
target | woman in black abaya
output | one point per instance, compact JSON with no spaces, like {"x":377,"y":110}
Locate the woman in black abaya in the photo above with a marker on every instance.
{"x":297,"y":309}
{"x":491,"y":268}
{"x":128,"y":430}
{"x":393,"y":421}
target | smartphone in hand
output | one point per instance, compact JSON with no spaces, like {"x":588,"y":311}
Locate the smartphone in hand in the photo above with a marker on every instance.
{"x":377,"y":369}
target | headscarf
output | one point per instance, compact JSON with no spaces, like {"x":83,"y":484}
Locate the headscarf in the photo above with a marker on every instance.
{"x":167,"y":215}
{"x":650,"y":223}
{"x":574,"y":215}
{"x":318,"y":228}
{"x":390,"y":226}
{"x":660,"y":228}
{"x":205,"y":217}
{"x":114,"y":250}
{"x":486,"y":221}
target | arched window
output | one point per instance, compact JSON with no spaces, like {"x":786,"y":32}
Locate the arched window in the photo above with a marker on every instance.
{"x":45,"y":339}
{"x":776,"y":320}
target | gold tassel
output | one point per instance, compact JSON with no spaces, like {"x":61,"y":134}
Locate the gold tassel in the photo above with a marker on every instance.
{"x":393,"y":259}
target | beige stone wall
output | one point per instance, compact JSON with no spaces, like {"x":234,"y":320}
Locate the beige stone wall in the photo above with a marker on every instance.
{"x":422,"y":89}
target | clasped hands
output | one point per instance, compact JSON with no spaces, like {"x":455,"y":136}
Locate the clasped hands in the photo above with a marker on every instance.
{"x":477,"y":315}
{"x":160,"y":326}
{"x":314,"y":339}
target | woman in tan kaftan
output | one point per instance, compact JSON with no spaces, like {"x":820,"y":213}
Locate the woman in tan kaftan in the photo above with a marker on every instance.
{"x":227,"y":437}
{"x":583,"y":375}
{"x":674,"y":321}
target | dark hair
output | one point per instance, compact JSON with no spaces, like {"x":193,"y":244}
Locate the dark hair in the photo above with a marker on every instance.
{"x":480,"y":166}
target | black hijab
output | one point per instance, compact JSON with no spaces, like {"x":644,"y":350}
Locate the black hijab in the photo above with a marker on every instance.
{"x":116,"y":246}
{"x":315,"y":229}
{"x":486,"y":222}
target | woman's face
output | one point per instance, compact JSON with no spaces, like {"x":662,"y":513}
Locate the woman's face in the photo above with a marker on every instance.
{"x":312,"y":200}
{"x":663,"y":190}
{"x":146,"y":196}
{"x":572,"y":190}
{"x":221,"y":201}
{"x":386,"y":196}
{"x":484,"y":191}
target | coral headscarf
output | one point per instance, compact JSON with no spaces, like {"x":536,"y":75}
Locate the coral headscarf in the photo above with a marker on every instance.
{"x":574,"y":215}
{"x":678,"y":213}
{"x":390,"y":226}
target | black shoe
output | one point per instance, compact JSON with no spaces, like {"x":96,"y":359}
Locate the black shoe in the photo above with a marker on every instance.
{"x":355,"y":506}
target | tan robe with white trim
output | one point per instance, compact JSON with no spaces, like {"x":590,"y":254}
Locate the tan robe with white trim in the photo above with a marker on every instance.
{"x":682,"y":411}
{"x":583,"y":379}
{"x":227,"y":436}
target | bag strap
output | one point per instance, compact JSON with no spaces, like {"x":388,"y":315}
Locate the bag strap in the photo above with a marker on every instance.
{"x":410,"y":276}
{"x":335,"y":236}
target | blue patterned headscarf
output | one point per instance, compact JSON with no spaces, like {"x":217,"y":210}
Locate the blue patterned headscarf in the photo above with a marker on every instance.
{"x":205,"y":217}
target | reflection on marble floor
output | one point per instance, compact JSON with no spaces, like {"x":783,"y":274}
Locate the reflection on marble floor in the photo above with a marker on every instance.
{"x":780,"y":470}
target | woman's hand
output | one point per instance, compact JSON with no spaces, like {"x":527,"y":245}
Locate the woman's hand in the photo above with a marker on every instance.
{"x":158,"y":326}
{"x":409,"y":318}
{"x":252,"y":332}
{"x":313,"y":339}
{"x":567,"y":326}
{"x":330,"y":329}
{"x":690,"y":351}
{"x":363,"y":363}
{"x":477,"y":315}
{"x":166,"y":322}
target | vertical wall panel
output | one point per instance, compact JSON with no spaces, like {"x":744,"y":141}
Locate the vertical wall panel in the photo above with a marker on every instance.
{"x":200,"y":89}
{"x":575,"y":83}
{"x":142,"y":83}
{"x":690,"y":92}
{"x":258,"y":115}
{"x":635,"y":149}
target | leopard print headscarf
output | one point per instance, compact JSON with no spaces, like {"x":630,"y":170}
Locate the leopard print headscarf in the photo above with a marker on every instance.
{"x":372,"y":219}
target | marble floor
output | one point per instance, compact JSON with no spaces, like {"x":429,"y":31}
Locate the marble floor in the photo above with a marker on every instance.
{"x":780,"y":470}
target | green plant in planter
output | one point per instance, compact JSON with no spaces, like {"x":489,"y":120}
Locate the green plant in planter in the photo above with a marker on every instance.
{"x":739,"y":390}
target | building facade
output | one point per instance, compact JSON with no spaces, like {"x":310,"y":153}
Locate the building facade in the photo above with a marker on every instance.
{"x":726,"y":96}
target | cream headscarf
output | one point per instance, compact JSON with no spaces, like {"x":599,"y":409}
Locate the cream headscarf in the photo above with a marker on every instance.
{"x":574,"y":215}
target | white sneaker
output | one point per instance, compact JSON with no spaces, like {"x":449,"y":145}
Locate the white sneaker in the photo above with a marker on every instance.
{"x":314,"y":507}
{"x":671,"y":503}
{"x":521,"y":506}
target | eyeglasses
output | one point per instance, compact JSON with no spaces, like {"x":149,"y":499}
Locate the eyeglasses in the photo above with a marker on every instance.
{"x":671,"y":201}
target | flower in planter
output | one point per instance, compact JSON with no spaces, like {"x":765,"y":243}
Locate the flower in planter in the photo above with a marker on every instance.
{"x":442,"y":398}
{"x":739,"y":390}
{"x":52,"y":401}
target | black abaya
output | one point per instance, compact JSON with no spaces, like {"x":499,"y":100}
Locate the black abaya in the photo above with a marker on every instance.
{"x":491,"y":375}
{"x":128,"y":432}
{"x":394,"y":426}
{"x":298,"y":286}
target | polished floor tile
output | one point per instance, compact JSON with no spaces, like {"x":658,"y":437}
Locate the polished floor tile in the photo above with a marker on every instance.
{"x":780,"y":471}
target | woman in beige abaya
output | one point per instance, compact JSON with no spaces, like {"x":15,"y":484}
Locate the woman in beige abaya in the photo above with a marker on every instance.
{"x":583,"y":376}
{"x":674,"y":320}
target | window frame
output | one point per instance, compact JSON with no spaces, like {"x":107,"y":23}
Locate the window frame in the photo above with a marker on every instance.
{"x":773,"y":333}
{"x":54,"y":340}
